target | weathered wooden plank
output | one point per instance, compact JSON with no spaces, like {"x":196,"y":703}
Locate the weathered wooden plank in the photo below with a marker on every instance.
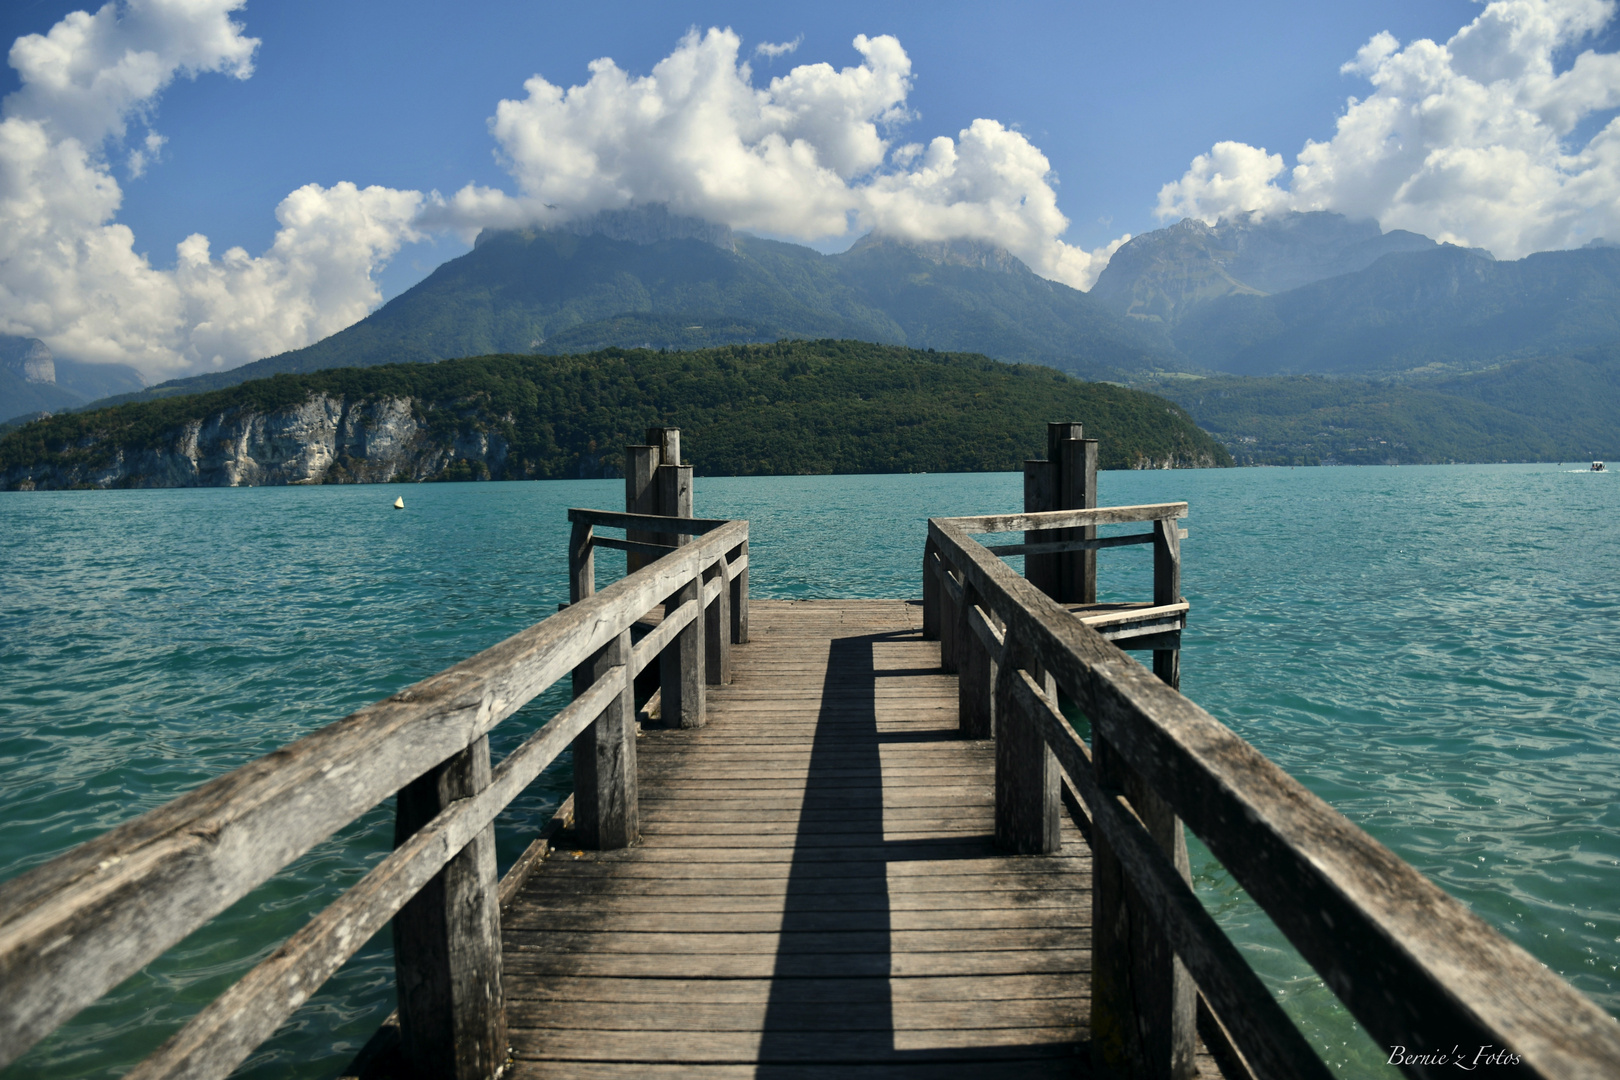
{"x":776,"y":942}
{"x":650,"y":523}
{"x":1064,"y":519}
{"x":830,"y":1017}
{"x":841,"y":991}
{"x":874,"y":919}
{"x":1410,"y":962}
{"x":1049,"y":1068}
{"x":738,"y":1047}
{"x":545,"y":963}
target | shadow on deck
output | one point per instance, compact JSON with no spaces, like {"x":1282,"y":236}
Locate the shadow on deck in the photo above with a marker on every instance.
{"x":817,"y":889}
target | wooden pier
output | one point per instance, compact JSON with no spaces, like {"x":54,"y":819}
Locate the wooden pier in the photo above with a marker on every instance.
{"x":859,"y":838}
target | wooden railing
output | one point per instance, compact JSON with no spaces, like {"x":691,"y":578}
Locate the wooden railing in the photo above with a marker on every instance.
{"x":1414,"y":966}
{"x":75,"y":927}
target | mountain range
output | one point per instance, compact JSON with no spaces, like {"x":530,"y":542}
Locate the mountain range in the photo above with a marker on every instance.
{"x":1275,"y":299}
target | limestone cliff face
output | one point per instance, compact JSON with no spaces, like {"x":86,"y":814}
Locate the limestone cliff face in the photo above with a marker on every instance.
{"x":324,"y":440}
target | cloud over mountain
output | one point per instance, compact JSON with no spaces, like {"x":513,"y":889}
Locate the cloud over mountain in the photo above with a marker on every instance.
{"x":1478,"y":141}
{"x":70,"y":274}
{"x":811,"y":154}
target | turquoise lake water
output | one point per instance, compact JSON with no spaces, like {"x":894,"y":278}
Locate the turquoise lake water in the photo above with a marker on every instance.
{"x":1434,"y":650}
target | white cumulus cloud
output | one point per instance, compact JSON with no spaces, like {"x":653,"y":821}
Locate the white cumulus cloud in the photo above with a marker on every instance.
{"x":1475,"y":141}
{"x":810,"y":154}
{"x":69,"y":272}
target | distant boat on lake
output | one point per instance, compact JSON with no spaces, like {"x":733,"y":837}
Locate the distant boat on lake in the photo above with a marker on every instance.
{"x":1598,"y":466}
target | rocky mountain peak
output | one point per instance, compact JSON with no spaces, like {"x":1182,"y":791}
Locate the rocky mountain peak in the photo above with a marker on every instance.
{"x":28,"y":357}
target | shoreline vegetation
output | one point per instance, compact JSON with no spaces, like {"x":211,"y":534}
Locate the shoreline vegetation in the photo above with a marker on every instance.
{"x":787,"y":408}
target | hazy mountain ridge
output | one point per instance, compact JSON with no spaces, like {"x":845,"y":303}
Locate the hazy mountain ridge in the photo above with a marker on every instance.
{"x":33,"y":380}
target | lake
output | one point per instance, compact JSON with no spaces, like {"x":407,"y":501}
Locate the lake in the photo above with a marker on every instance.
{"x":1433,"y":650}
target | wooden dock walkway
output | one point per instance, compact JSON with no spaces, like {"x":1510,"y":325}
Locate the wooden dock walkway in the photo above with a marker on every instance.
{"x":817,"y":888}
{"x":865,"y":841}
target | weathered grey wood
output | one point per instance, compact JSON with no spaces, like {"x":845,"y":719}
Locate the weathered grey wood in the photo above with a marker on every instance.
{"x":1027,"y":800}
{"x":1065,"y":519}
{"x":1040,"y":496}
{"x":950,"y":603}
{"x":1411,"y":963}
{"x":1165,"y":898}
{"x":649,"y":648}
{"x":1059,"y":546}
{"x":652,"y":551}
{"x":976,"y":682}
{"x":675,"y":493}
{"x":1167,"y":590}
{"x":717,"y":628}
{"x":657,"y":524}
{"x":640,"y":496}
{"x":447,"y":938}
{"x":606,"y":804}
{"x":930,"y":592}
{"x":73,"y":928}
{"x":683,"y":666}
{"x":1143,"y":1013}
{"x":1077,"y":479}
{"x":581,"y":562}
{"x":738,"y":571}
{"x":535,"y":854}
{"x":668,"y":440}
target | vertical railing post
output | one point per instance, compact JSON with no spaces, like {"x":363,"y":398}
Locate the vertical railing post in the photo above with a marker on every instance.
{"x":739,"y":597}
{"x":606,"y":805}
{"x":976,"y":677}
{"x":1143,"y":1002}
{"x":930,"y":588}
{"x":1144,"y":1005}
{"x":1167,"y":590}
{"x":581,"y":562}
{"x":682,"y":667}
{"x":717,"y":629}
{"x":1027,"y":792}
{"x":949,"y":620}
{"x":447,"y":938}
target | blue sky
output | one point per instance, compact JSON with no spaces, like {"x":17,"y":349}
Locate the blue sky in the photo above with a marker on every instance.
{"x":1122,"y":100}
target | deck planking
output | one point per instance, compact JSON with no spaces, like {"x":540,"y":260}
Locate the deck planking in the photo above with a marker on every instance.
{"x":817,"y":891}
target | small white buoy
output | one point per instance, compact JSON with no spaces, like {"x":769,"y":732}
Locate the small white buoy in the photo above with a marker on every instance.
{"x":399,"y":503}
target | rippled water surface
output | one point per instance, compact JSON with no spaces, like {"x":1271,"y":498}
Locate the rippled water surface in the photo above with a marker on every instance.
{"x":1435,"y":651}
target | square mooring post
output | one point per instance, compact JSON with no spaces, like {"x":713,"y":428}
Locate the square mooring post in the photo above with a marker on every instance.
{"x":683,"y":665}
{"x":1065,"y":480}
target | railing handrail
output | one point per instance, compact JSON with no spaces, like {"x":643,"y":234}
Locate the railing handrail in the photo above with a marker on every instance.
{"x":1415,"y":966}
{"x":76,"y":926}
{"x":1065,"y":519}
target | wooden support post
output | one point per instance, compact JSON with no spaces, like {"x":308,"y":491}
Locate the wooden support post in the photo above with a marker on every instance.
{"x":581,"y":562}
{"x":682,"y":666}
{"x":717,"y":630}
{"x":976,"y":681}
{"x":1167,"y":590}
{"x":675,"y":496}
{"x":949,"y":620}
{"x":930,"y":591}
{"x":668,"y":441}
{"x":1027,"y":786}
{"x":739,"y":597}
{"x":447,"y":938}
{"x":606,"y":807}
{"x":1040,"y":492}
{"x":1143,"y":1002}
{"x":641,"y":497}
{"x":1077,"y":481}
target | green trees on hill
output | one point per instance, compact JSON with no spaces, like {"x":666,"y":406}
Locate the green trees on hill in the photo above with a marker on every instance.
{"x":783,"y":408}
